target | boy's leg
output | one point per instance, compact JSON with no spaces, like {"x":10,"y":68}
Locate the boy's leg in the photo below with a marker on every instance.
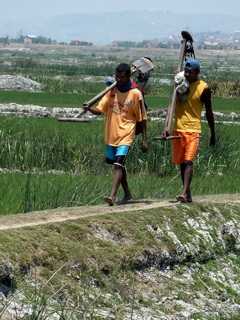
{"x":121,"y":154}
{"x":186,"y":174}
{"x":127,"y":194}
{"x":110,"y":159}
{"x":183,"y":167}
{"x":119,"y":174}
{"x":191,"y":150}
{"x":117,"y":179}
{"x":178,"y":150}
{"x":120,"y":177}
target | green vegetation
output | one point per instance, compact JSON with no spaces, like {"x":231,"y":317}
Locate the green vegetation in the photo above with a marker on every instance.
{"x":47,"y":99}
{"x":70,"y":76}
{"x":28,"y":192}
{"x":78,"y":148}
{"x":46,"y":148}
{"x":66,"y":165}
{"x":226,"y":104}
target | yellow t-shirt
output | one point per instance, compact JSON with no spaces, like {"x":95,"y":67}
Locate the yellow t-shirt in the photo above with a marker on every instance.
{"x":188,"y":113}
{"x":122,"y":111}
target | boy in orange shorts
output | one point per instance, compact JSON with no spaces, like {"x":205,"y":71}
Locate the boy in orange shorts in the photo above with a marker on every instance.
{"x":188,"y":125}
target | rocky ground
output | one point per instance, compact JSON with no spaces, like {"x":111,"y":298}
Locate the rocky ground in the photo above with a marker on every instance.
{"x":13,"y":109}
{"x":16,"y":82}
{"x":75,"y":114}
{"x":171,"y":262}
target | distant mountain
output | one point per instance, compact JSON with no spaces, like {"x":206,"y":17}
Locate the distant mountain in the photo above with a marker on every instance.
{"x":106,"y":27}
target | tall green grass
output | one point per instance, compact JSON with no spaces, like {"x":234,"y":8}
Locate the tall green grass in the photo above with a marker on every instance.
{"x":78,"y":147}
{"x":28,"y":192}
{"x":62,"y":164}
{"x":47,"y":144}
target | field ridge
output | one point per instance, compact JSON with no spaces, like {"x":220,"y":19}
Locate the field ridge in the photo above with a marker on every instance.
{"x":58,"y":215}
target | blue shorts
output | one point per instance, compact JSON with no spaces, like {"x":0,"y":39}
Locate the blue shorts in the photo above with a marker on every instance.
{"x":116,"y":155}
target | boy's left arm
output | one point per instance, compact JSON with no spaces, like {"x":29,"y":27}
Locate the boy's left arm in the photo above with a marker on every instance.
{"x":206,"y":99}
{"x":144,"y":126}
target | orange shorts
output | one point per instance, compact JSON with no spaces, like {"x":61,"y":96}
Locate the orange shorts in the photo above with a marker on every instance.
{"x":185,"y":148}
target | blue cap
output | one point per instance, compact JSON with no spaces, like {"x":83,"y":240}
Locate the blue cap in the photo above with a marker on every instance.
{"x":192,"y":64}
{"x":109,"y":80}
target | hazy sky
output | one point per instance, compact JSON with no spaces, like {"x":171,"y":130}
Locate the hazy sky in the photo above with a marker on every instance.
{"x":46,"y":8}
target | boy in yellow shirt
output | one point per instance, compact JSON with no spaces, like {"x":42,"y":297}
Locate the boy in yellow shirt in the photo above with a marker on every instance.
{"x":123,"y":107}
{"x":188,"y":125}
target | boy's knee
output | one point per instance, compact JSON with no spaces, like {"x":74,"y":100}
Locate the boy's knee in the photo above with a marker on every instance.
{"x":188,"y":163}
{"x":118,"y":166}
{"x":109,"y":161}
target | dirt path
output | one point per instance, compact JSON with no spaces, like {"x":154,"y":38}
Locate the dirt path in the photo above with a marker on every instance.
{"x":67,"y":214}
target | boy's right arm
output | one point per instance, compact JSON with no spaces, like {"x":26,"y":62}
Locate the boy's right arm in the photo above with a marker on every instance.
{"x":100,"y":108}
{"x":92,"y":109}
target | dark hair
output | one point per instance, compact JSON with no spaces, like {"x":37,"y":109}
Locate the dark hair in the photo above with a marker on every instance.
{"x":124,"y":67}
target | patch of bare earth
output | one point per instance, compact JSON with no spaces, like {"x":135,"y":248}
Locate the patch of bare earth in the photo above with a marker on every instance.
{"x":75,"y":213}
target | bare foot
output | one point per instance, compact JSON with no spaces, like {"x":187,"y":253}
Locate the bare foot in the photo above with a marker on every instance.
{"x":109,"y":200}
{"x":125,"y":199}
{"x":189,"y":197}
{"x":182,"y":199}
